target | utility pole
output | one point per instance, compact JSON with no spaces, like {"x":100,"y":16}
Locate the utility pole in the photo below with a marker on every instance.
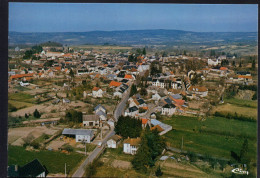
{"x":65,"y":170}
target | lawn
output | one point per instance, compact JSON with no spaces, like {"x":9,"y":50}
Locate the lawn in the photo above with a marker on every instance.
{"x":219,"y":135}
{"x":54,"y":161}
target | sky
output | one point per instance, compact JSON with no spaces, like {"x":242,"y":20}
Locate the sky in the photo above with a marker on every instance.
{"x":83,"y":17}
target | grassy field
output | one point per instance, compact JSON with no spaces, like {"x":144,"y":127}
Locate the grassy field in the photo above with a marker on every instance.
{"x":232,"y":108}
{"x":215,"y":136}
{"x":19,"y":104}
{"x":22,"y":97}
{"x":54,"y":161}
{"x":241,"y":102}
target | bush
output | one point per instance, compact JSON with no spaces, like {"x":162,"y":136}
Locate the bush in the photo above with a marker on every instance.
{"x":35,"y":144}
{"x":68,"y":148}
{"x":11,"y":108}
{"x":158,"y":172}
{"x":193,"y":157}
{"x":36,"y":114}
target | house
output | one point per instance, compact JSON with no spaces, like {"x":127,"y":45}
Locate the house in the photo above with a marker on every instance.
{"x":65,"y":100}
{"x":132,"y":111}
{"x":131,"y":145}
{"x":197,"y":90}
{"x":24,"y":83}
{"x":100,"y":108}
{"x":31,"y":169}
{"x":114,"y":84}
{"x":145,"y":122}
{"x":91,"y":120}
{"x":156,"y":97}
{"x":102,"y":115}
{"x":97,"y":92}
{"x":168,"y":109}
{"x":114,"y":141}
{"x":213,"y":62}
{"x":118,"y":94}
{"x":81,"y":135}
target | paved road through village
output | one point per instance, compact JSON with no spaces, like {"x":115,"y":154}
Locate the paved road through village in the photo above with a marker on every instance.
{"x":98,"y":150}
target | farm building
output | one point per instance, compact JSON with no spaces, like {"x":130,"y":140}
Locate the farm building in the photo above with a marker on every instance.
{"x":80,"y":134}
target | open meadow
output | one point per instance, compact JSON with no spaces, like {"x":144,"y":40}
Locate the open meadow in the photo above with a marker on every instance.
{"x":215,"y":136}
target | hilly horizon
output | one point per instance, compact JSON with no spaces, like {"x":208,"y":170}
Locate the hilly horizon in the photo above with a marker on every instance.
{"x":134,"y":37}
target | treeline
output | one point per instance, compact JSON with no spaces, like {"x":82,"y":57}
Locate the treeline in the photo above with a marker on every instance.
{"x":29,"y":53}
{"x":248,"y":87}
{"x":128,"y":127}
{"x":234,"y":116}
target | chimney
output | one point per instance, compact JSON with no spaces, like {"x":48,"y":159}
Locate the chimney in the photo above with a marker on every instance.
{"x":16,"y":168}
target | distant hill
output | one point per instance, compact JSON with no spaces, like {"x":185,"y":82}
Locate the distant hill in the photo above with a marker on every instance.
{"x":135,"y":37}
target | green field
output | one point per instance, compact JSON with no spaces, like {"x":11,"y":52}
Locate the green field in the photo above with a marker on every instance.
{"x":19,"y":104}
{"x":242,"y":102}
{"x":22,"y":97}
{"x":215,"y":136}
{"x":54,"y":161}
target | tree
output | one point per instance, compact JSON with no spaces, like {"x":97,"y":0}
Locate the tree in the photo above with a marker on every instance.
{"x":26,"y":116}
{"x":143,"y":91}
{"x":36,"y":114}
{"x":254,"y":97}
{"x":222,"y":164}
{"x":244,"y":150}
{"x":151,"y":147}
{"x":253,"y":65}
{"x":240,"y":63}
{"x":144,"y":51}
{"x":74,"y":116}
{"x":234,"y":63}
{"x":212,"y":53}
{"x":142,"y":159}
{"x":133,"y":90}
{"x":71,"y":73}
{"x":158,"y":172}
{"x":128,"y":127}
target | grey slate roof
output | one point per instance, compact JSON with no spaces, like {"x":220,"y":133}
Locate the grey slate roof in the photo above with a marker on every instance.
{"x":78,"y":132}
{"x":101,"y":113}
{"x":98,"y":106}
{"x":133,"y":109}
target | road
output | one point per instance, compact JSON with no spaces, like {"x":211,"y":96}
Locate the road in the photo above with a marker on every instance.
{"x":95,"y":153}
{"x":121,"y":106}
{"x":98,"y":150}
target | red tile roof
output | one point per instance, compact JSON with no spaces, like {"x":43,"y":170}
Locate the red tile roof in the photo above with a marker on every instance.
{"x":128,"y":76}
{"x":95,"y":89}
{"x":114,"y":84}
